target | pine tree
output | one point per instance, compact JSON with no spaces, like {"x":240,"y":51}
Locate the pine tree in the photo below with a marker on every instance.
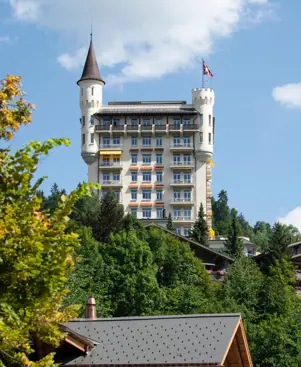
{"x":170,"y":226}
{"x":221,"y":214}
{"x":199,"y":230}
{"x":234,"y":243}
{"x":110,"y":218}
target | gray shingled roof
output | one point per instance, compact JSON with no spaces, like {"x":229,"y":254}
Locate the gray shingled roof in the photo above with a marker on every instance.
{"x":200,"y":339}
{"x":91,"y":69}
{"x":138,"y":109}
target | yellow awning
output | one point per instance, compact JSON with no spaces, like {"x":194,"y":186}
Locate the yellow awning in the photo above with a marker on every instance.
{"x":110,"y":152}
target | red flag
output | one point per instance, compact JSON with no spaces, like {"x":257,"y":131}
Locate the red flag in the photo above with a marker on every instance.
{"x":206,"y":70}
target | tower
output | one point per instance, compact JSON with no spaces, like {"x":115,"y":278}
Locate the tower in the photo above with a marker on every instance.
{"x":91,"y":85}
{"x":203,"y":102}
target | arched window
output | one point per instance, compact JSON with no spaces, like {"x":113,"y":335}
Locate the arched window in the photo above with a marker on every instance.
{"x":92,"y":91}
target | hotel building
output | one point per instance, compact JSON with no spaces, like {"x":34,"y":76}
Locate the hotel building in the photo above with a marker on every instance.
{"x":154,"y":155}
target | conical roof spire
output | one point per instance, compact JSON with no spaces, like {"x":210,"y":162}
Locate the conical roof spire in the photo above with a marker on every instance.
{"x":91,"y":70}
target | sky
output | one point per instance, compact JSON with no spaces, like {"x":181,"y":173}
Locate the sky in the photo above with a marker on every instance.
{"x":152,"y":50}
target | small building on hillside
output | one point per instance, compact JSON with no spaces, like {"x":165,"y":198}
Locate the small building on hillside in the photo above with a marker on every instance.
{"x":250,"y":249}
{"x":214,"y":340}
{"x":215,"y":262}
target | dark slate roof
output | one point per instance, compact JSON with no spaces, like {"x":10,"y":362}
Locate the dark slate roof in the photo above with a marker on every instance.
{"x":189,"y":339}
{"x":147,"y":109}
{"x":192,"y":242}
{"x":91,"y":70}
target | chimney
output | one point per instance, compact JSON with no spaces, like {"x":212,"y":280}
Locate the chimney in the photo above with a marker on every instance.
{"x":91,"y":308}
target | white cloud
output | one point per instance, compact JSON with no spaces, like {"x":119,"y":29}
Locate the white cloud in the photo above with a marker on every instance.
{"x":288,"y":95}
{"x":143,"y":38}
{"x":293,"y":217}
{"x":5,"y":39}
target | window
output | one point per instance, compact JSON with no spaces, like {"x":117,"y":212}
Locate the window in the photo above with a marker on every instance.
{"x":176,"y":158}
{"x":107,"y":122}
{"x":178,"y":230}
{"x":116,"y":140}
{"x":187,"y":213}
{"x":146,"y":213}
{"x":116,"y":159}
{"x":106,"y":176}
{"x":134,"y":176}
{"x":146,"y":158}
{"x":187,"y":177}
{"x":116,"y":177}
{"x":117,"y":193}
{"x":147,"y":176}
{"x":134,"y":195}
{"x":209,"y":120}
{"x":187,"y":195}
{"x":146,"y":194}
{"x":159,"y":195}
{"x":92,"y":138}
{"x":134,"y":122}
{"x":201,"y":119}
{"x":209,"y":138}
{"x":134,"y":141}
{"x":176,"y":122}
{"x":116,"y":122}
{"x":159,"y":176}
{"x":159,"y":141}
{"x":83,"y":139}
{"x":106,"y":141}
{"x":158,"y":122}
{"x":146,"y":141}
{"x":92,"y":91}
{"x":186,"y":141}
{"x":84,"y":120}
{"x":186,"y":122}
{"x":134,"y":212}
{"x":176,"y":141}
{"x":92,"y":120}
{"x":106,"y":160}
{"x":201,"y":138}
{"x":159,"y":158}
{"x":159,"y":213}
{"x":177,"y":212}
{"x":177,"y":176}
{"x":146,"y":122}
{"x":187,"y":158}
{"x":186,"y":231}
{"x":82,"y":90}
{"x":134,"y":158}
{"x":92,"y":103}
{"x":177,"y":195}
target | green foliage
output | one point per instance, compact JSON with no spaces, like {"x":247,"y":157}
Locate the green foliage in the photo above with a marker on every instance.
{"x":110,"y":217}
{"x":234,"y":242}
{"x":170,"y":226}
{"x":221,"y":214}
{"x":199,"y":231}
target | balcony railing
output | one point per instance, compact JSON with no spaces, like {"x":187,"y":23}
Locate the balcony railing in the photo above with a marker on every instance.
{"x":191,"y":127}
{"x":110,"y":164}
{"x":181,"y":201}
{"x":182,"y":218}
{"x":111,"y":146}
{"x":132,"y":127}
{"x":181,"y":145}
{"x":181,"y":163}
{"x":182,"y":182}
{"x":146,"y":127}
{"x":174,"y":127}
{"x":118,"y":127}
{"x":160,"y":127}
{"x":102,"y":127}
{"x":111,"y":183}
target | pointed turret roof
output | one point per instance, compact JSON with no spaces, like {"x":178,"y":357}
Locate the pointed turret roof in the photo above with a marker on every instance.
{"x":91,"y":70}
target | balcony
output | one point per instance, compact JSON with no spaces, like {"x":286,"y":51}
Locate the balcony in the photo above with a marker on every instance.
{"x":111,"y":183}
{"x":181,"y":146}
{"x":132,"y":127}
{"x":110,"y":165}
{"x":117,"y":127}
{"x":181,"y":182}
{"x":160,"y":127}
{"x":182,"y":201}
{"x":191,"y":127}
{"x":181,"y":164}
{"x":174,"y":127}
{"x":146,"y":127}
{"x":111,"y":147}
{"x":184,"y":219}
{"x":102,"y":127}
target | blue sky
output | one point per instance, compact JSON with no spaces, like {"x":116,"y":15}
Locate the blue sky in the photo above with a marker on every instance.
{"x":152,"y":50}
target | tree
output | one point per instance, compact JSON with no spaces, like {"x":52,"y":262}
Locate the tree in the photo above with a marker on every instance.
{"x":170,"y":226}
{"x":221,"y":214}
{"x":110,"y":217}
{"x":35,"y":250}
{"x":234,"y":242}
{"x":261,"y":234}
{"x":199,"y":231}
{"x":52,"y":201}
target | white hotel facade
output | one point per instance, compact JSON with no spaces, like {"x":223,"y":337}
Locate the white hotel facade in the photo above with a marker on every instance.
{"x":154,"y":155}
